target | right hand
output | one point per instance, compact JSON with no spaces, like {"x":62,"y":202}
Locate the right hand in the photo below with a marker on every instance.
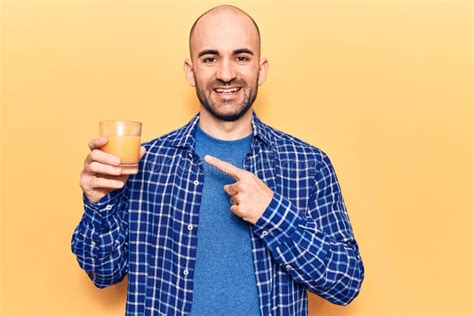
{"x":102,"y":174}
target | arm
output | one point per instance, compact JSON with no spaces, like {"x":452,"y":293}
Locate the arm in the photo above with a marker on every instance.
{"x":100,"y":241}
{"x":317,"y":247}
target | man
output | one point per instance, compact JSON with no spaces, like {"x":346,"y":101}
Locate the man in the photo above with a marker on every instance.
{"x":226,"y":214}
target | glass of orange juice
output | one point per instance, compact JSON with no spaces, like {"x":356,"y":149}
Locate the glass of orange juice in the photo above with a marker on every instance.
{"x":124,"y":142}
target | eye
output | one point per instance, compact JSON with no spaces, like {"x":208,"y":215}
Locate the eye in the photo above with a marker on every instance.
{"x":242,"y":58}
{"x":209,"y":60}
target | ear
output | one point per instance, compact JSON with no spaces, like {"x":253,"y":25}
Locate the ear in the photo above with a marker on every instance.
{"x":263,"y":70}
{"x":188,"y":72}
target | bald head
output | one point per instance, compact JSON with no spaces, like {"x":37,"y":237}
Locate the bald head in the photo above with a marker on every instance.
{"x":220,"y":19}
{"x":225,"y":65}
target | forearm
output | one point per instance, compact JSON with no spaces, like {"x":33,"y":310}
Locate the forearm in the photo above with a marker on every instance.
{"x":100,"y":240}
{"x":326,"y":263}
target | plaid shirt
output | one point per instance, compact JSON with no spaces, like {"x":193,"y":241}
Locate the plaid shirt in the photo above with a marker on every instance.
{"x":148,"y":229}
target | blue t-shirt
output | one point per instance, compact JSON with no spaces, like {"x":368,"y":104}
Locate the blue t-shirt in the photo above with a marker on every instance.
{"x":224,"y":276}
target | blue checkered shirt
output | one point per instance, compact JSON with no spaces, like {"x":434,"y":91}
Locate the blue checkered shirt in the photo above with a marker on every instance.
{"x":148,"y":229}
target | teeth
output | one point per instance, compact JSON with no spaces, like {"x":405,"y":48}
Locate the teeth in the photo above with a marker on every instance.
{"x":227,"y":90}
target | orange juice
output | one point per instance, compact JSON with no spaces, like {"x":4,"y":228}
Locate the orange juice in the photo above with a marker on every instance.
{"x":127,"y":148}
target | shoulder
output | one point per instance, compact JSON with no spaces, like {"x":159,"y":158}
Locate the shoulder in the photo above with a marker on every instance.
{"x":161,"y":149}
{"x":292,"y":147}
{"x":299,"y":155}
{"x":162,"y":142}
{"x":171,"y":141}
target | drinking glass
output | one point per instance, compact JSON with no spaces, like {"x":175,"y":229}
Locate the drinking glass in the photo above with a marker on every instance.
{"x":124,"y":142}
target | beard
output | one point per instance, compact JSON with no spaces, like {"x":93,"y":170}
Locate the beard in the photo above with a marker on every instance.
{"x":204,"y":96}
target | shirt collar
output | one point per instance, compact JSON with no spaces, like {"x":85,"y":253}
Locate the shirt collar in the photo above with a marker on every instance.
{"x":184,"y":137}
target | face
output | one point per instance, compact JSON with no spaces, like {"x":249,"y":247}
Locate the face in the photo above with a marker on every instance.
{"x":225,"y":65}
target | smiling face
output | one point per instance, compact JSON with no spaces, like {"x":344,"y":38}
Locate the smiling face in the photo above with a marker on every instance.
{"x":225,"y":65}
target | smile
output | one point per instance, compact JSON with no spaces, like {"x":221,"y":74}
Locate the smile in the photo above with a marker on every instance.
{"x":227,"y":91}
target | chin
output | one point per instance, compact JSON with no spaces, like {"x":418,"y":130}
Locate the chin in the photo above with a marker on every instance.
{"x":230,"y":115}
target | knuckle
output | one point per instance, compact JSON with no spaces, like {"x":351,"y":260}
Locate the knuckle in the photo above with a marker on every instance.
{"x":94,"y":166}
{"x":247,"y":179}
{"x":95,"y":154}
{"x":86,"y":168}
{"x":86,"y":161}
{"x":83,"y":181}
{"x":93,"y":182}
{"x":112,"y":170}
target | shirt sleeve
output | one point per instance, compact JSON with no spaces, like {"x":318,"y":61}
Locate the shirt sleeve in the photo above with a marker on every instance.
{"x":100,"y":241}
{"x":317,"y":246}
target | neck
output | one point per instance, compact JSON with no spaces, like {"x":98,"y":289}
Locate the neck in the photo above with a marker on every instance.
{"x":226,"y":130}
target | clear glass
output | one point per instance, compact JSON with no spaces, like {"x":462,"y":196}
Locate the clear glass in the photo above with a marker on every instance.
{"x":124,"y":142}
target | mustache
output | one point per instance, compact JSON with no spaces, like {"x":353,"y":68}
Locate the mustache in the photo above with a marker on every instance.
{"x":221,"y":83}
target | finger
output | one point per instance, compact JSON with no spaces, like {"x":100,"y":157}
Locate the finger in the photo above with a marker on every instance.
{"x":225,"y":167}
{"x":122,"y":177}
{"x":233,"y":200}
{"x":97,"y":142}
{"x":106,"y":158}
{"x":97,"y":167}
{"x":231,"y":189}
{"x":98,"y":182}
{"x":142,"y":151}
{"x":234,"y":209}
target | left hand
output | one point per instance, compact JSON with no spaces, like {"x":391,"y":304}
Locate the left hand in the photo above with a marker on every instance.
{"x":249,"y":196}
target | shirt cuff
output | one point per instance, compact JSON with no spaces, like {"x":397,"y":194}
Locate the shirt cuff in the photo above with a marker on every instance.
{"x":103,"y":206}
{"x":279,"y":222}
{"x":282,"y":226}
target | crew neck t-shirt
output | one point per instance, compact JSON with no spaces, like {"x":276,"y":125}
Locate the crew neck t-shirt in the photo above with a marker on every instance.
{"x":224,"y":280}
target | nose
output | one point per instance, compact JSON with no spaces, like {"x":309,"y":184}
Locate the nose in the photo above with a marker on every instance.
{"x":226,"y":71}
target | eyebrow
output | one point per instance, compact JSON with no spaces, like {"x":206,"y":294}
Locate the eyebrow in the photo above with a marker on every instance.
{"x":216,"y":52}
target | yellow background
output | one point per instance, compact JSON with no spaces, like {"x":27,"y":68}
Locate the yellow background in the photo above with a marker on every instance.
{"x":384,"y":87}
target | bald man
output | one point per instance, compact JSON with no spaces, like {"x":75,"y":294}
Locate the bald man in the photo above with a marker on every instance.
{"x":226,"y":215}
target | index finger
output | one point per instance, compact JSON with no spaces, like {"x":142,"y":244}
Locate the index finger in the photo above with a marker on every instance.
{"x":225,"y":167}
{"x":97,"y":142}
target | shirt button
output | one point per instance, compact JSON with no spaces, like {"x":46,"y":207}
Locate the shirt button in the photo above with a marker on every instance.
{"x":108,"y":207}
{"x":93,"y":244}
{"x":196,"y":182}
{"x":190,"y":227}
{"x":186,"y":272}
{"x":288,"y":267}
{"x":264,"y":233}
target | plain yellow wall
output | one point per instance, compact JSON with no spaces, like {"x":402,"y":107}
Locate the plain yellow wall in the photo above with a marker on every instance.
{"x":384,"y":87}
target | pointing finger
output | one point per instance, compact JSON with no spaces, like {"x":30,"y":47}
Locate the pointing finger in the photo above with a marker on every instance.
{"x":225,"y":167}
